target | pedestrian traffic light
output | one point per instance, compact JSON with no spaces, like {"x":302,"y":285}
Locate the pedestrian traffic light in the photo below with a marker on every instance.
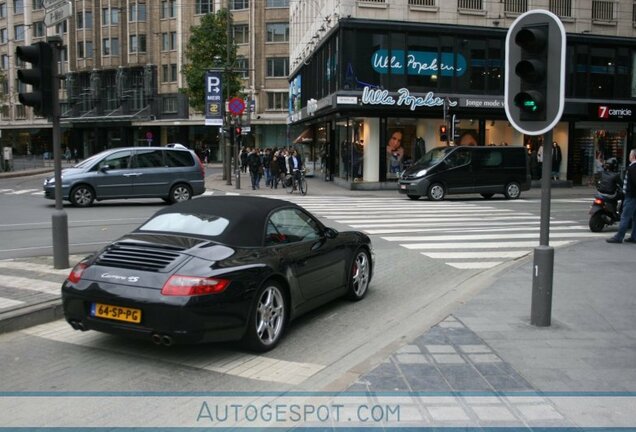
{"x":39,"y":77}
{"x":238,"y":131}
{"x":534,"y":73}
{"x":443,"y":133}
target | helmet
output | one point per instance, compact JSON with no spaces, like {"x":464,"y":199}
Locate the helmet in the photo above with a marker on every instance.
{"x":611,"y":164}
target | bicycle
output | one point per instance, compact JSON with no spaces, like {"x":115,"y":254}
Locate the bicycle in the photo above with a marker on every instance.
{"x":295,"y":181}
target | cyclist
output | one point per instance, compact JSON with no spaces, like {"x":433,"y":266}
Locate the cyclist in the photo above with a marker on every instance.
{"x":295,"y":166}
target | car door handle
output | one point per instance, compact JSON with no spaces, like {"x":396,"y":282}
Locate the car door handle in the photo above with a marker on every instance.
{"x":132,"y":174}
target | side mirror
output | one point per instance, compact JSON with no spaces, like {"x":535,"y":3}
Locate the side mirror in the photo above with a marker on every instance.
{"x":331,"y":233}
{"x":104,"y":168}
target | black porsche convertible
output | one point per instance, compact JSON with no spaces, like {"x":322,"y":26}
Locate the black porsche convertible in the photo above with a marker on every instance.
{"x":216,"y":269}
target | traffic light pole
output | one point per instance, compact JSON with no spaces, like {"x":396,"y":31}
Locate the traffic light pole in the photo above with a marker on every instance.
{"x":59,"y":220}
{"x":543,"y":268}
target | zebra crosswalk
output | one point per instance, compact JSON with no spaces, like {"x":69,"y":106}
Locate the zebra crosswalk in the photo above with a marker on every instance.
{"x":463,"y":235}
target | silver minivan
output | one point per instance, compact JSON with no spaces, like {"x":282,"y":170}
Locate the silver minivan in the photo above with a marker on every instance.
{"x":173,"y":174}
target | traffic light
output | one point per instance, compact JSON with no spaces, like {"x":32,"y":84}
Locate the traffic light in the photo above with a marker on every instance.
{"x":40,"y":77}
{"x":443,"y":133}
{"x":238,"y":131}
{"x":534,"y":73}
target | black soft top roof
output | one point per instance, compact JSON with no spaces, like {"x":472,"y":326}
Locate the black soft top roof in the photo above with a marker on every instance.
{"x":247,"y":216}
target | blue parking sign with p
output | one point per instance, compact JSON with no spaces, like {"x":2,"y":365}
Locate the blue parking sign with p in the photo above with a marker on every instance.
{"x":213,"y":99}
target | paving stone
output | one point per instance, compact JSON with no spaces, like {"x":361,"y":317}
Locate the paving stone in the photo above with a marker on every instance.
{"x":411,"y":358}
{"x":424,"y":378}
{"x":409,"y":349}
{"x":539,"y":412}
{"x":471,"y":349}
{"x":440,"y":349}
{"x":448,"y":358}
{"x":451,"y":325}
{"x":484,"y":358}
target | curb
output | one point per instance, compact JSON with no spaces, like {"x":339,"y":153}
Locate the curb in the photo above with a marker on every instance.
{"x":31,"y":315}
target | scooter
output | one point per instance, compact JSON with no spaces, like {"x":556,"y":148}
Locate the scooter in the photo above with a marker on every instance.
{"x":606,"y":210}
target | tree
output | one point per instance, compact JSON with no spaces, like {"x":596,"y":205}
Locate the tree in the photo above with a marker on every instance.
{"x":207,"y":49}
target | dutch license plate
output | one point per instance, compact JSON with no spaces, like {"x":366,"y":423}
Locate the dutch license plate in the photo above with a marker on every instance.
{"x":402,"y":186}
{"x":117,"y":313}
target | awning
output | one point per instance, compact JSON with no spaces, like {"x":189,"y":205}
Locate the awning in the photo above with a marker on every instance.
{"x":306,"y":136}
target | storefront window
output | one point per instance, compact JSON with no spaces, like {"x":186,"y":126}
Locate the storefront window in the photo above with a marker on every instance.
{"x":400,"y":146}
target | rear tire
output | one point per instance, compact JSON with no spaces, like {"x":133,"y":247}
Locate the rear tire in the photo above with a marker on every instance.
{"x":436,"y":192}
{"x":82,"y":196}
{"x":267,"y":319}
{"x":179,"y":193}
{"x":512,"y":191}
{"x":596,"y":223}
{"x":413,"y":197}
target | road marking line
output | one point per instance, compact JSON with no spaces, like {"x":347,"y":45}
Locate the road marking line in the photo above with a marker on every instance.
{"x":489,"y":237}
{"x":397,"y":221}
{"x":476,"y":254}
{"x":471,"y":230}
{"x":425,"y":224}
{"x":22,"y":191}
{"x":479,"y":245}
{"x":6,"y":303}
{"x":474,"y":265}
{"x":250,"y":366}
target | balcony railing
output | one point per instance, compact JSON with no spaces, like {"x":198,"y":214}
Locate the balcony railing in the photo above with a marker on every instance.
{"x":422,"y":3}
{"x":476,"y":5}
{"x":603,"y":10}
{"x":561,"y":8}
{"x":515,"y":6}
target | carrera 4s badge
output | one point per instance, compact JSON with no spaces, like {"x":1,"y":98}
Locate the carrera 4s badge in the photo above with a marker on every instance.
{"x":121,"y":278}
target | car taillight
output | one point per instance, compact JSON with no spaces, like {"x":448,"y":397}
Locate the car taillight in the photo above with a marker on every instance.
{"x":76,"y":273}
{"x":598,"y":201}
{"x":201,"y":167}
{"x":179,"y":285}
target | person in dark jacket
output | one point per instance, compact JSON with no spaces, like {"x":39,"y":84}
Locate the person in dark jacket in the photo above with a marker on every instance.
{"x":274,"y":170}
{"x":255,"y":166}
{"x":628,"y":216}
{"x":557,"y":157}
{"x":610,"y":181}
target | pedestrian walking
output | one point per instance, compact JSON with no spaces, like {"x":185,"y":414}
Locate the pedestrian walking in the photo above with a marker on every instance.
{"x":628,"y":215}
{"x":243,"y":157}
{"x":557,"y":157}
{"x":255,"y":165}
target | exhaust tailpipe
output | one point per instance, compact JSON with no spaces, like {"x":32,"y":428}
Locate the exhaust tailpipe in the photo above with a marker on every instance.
{"x":156,"y":339}
{"x":167,"y":340}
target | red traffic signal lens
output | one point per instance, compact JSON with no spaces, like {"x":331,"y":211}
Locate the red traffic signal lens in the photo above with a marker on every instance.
{"x":442,"y":129}
{"x":238,"y":131}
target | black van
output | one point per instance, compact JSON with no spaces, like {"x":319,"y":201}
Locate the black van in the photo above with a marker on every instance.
{"x":461,"y":170}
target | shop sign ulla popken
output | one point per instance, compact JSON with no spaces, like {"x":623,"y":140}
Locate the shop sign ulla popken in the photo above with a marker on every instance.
{"x":382,"y":97}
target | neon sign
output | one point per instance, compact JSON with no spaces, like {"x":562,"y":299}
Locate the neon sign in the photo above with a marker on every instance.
{"x":382,"y":97}
{"x":418,"y":63}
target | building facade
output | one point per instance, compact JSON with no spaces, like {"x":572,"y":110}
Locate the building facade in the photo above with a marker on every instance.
{"x":122,"y":63}
{"x":367,"y":72}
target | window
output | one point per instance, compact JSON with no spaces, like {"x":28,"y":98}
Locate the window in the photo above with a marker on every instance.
{"x":243,"y":65}
{"x":3,"y":10}
{"x":38,"y":4}
{"x":603,"y":10}
{"x":4,"y":36}
{"x":5,"y":112}
{"x":291,"y":226}
{"x":19,"y":32}
{"x":39,"y":29}
{"x":110,"y":16}
{"x":138,"y":43}
{"x":4,"y":61}
{"x":148,"y":159}
{"x":278,"y":101}
{"x":168,"y":9}
{"x":278,"y":67}
{"x":169,"y":73}
{"x":168,"y":41}
{"x":110,"y":46}
{"x":20,"y":112}
{"x":239,"y":4}
{"x":278,"y":32}
{"x":85,"y":49}
{"x":118,"y":160}
{"x":170,"y":106}
{"x":561,"y":8}
{"x":421,"y":2}
{"x":470,"y":4}
{"x":203,"y":7}
{"x":18,"y":7}
{"x":61,"y":28}
{"x":241,"y":33}
{"x":277,"y":3}
{"x":137,"y":12}
{"x":85,"y":20}
{"x":515,"y":6}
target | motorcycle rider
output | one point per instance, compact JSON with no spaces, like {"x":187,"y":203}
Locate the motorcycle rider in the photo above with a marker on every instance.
{"x":610,"y":182}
